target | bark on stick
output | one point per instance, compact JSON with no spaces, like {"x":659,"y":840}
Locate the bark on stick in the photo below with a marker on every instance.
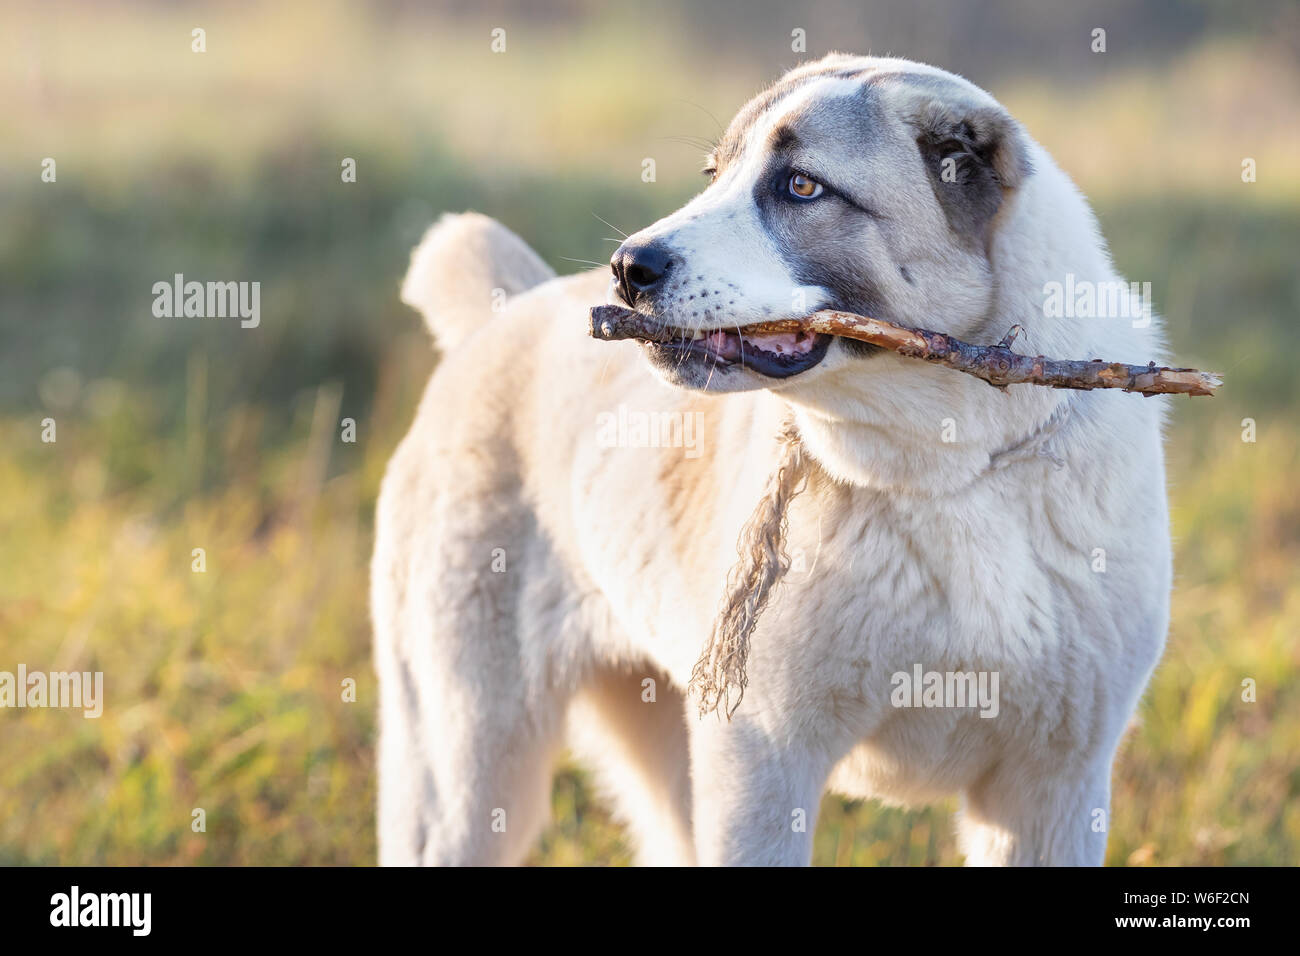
{"x":995,"y":364}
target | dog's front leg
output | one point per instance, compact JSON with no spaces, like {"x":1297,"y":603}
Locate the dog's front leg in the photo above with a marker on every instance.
{"x":1012,"y":819}
{"x":755,"y":792}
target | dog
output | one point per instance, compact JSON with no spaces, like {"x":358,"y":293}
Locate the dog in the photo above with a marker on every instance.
{"x":855,"y":534}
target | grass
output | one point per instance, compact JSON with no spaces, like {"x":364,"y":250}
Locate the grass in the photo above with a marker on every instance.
{"x":225,"y":691}
{"x":225,"y":687}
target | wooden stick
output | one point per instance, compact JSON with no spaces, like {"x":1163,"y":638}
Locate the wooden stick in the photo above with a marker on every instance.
{"x":995,"y":364}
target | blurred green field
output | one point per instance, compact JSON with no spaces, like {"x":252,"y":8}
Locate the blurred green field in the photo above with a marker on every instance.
{"x":224,"y":688}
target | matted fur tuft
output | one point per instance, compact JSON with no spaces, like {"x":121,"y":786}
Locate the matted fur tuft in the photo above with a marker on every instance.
{"x":720,"y":671}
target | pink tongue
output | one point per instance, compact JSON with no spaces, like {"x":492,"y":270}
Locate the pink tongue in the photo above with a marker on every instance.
{"x":722,"y":344}
{"x":779,"y":343}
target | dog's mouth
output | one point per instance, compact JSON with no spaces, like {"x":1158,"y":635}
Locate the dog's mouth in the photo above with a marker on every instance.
{"x":773,"y":354}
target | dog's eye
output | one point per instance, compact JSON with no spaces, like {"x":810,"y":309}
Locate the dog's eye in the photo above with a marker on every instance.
{"x":803,"y":187}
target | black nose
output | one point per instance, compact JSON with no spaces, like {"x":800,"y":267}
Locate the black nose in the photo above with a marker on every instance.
{"x":640,"y":270}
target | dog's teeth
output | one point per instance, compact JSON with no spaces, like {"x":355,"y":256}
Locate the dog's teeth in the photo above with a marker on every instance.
{"x":698,"y":334}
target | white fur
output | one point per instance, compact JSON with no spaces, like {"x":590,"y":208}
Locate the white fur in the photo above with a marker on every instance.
{"x":972,"y":555}
{"x":720,"y":235}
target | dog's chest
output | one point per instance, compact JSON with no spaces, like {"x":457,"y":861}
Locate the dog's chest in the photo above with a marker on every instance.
{"x":877,"y":583}
{"x":945,"y":583}
{"x":937,"y":631}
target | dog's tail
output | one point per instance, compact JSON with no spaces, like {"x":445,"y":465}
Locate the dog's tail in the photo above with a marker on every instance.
{"x":463,"y":270}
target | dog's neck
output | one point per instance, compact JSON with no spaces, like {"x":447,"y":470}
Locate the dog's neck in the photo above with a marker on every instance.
{"x":898,"y":424}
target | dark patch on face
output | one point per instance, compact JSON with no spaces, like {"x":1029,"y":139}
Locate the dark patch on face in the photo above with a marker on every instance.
{"x":816,"y":237}
{"x":968,"y":191}
{"x":783,"y":139}
{"x":982,"y":141}
{"x":972,"y":156}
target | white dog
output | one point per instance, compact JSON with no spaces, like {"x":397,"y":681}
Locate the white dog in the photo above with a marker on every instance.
{"x":978,"y":579}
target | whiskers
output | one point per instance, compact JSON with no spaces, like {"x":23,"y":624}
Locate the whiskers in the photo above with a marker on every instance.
{"x":704,"y":144}
{"x":716,"y":122}
{"x":612,"y":226}
{"x":586,"y":261}
{"x":591,"y":262}
{"x":695,"y":142}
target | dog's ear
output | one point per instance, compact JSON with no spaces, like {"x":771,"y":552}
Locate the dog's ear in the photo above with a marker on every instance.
{"x":973,"y":156}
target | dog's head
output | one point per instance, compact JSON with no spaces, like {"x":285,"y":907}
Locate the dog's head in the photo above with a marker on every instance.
{"x":855,"y":183}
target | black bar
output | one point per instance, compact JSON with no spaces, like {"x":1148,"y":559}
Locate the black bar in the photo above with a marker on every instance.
{"x":218,"y":906}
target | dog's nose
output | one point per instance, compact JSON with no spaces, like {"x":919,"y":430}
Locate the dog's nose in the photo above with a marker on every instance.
{"x":640,"y":270}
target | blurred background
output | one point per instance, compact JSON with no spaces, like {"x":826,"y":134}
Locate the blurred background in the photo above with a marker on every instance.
{"x":223,"y":688}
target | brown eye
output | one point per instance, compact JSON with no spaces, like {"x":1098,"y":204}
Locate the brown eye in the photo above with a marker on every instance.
{"x":803,"y":187}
